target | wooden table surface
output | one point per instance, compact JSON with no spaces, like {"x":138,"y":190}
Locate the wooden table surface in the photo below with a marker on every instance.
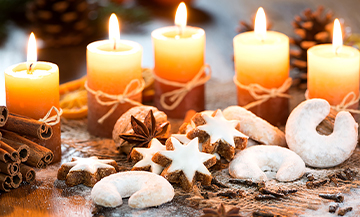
{"x":219,"y":18}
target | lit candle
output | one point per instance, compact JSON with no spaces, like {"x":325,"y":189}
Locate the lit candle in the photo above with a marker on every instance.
{"x":32,"y":89}
{"x":111,"y":66}
{"x":179,"y":56}
{"x":262,"y":57}
{"x":333,"y":70}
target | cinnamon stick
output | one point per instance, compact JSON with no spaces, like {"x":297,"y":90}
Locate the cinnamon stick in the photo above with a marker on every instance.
{"x":5,"y":182}
{"x":16,"y":180}
{"x":28,"y":173}
{"x":4,"y":156}
{"x":3,"y":115}
{"x":10,"y":168}
{"x":23,"y":150}
{"x":28,"y":126}
{"x":14,"y":155}
{"x":39,"y":156}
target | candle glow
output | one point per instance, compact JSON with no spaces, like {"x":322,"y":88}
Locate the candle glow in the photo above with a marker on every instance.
{"x":114,"y":31}
{"x":31,"y":53}
{"x":260,"y":24}
{"x":337,"y":40}
{"x":181,"y":17}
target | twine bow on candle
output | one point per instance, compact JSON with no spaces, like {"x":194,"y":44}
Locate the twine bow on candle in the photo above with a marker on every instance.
{"x":115,"y":100}
{"x":344,"y":105}
{"x":262,"y":94}
{"x":53,"y":120}
{"x":176,"y":96}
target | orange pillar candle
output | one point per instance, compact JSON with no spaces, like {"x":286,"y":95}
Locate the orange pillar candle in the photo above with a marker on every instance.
{"x":333,"y":70}
{"x":179,"y":56}
{"x":262,"y":57}
{"x":111,"y":65}
{"x":32,"y":89}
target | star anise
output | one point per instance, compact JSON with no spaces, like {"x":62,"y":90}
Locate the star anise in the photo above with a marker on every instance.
{"x":145,"y":132}
{"x":221,"y":212}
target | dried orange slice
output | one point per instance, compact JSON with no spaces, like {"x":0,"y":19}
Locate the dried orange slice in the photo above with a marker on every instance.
{"x":148,"y":92}
{"x":73,"y":99}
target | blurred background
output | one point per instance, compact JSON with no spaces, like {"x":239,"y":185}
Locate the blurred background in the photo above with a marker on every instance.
{"x":64,"y":28}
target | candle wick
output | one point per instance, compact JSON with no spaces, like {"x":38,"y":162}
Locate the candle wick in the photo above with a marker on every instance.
{"x":30,"y":68}
{"x":337,"y":50}
{"x":181,"y":30}
{"x":114,"y":44}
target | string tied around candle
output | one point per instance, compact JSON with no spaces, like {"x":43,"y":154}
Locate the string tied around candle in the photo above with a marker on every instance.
{"x":349,"y":100}
{"x":115,"y":100}
{"x":262,"y":94}
{"x":53,"y":120}
{"x":176,"y":96}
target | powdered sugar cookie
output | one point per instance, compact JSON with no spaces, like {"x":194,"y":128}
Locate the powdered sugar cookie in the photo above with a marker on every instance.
{"x":315,"y":149}
{"x":251,"y":162}
{"x":145,"y":189}
{"x":86,"y":171}
{"x":217,"y":134}
{"x":143,"y":157}
{"x":185,"y":164}
{"x":255,"y":127}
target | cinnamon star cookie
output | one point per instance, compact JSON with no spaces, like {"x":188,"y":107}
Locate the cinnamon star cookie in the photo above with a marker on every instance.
{"x":143,"y":157}
{"x":217,"y":134}
{"x":185,"y":164}
{"x":86,"y":171}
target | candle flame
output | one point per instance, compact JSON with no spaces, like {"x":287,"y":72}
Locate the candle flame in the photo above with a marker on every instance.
{"x":337,"y":40}
{"x":260,"y":23}
{"x":181,"y":17}
{"x":31,"y":53}
{"x":114,"y":30}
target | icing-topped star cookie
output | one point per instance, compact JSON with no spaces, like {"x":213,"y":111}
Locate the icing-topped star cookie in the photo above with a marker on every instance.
{"x":143,"y":157}
{"x":217,"y":134}
{"x":86,"y":171}
{"x":184,"y":140}
{"x":185,"y":164}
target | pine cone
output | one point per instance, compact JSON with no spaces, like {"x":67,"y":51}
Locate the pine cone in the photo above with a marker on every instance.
{"x":311,"y":28}
{"x":60,"y":22}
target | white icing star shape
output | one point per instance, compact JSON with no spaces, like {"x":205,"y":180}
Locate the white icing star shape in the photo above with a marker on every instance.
{"x":184,"y":140}
{"x":187,"y":158}
{"x":220,"y":128}
{"x":148,"y":153}
{"x":90,"y":164}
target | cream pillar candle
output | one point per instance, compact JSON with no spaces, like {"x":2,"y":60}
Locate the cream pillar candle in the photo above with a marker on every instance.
{"x":179,"y":56}
{"x":111,"y":66}
{"x":333,"y":70}
{"x":32,"y":89}
{"x":262,"y":57}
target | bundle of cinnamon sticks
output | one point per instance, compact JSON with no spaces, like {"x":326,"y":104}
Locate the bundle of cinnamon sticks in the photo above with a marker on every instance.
{"x":18,"y":151}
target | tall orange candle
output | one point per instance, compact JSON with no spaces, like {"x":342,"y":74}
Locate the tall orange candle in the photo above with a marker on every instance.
{"x":32,"y":89}
{"x":179,"y":56}
{"x":262,"y":57}
{"x":333,"y":70}
{"x":111,"y":66}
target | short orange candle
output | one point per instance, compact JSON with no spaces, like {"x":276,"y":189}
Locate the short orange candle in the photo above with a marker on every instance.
{"x":179,"y":56}
{"x":262,"y":57}
{"x":32,"y":89}
{"x":111,"y":65}
{"x":333,"y":70}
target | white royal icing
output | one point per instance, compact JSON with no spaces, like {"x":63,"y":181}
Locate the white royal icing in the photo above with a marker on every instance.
{"x":220,"y":128}
{"x":90,"y":164}
{"x":187,"y":158}
{"x":184,"y":140}
{"x":148,"y":153}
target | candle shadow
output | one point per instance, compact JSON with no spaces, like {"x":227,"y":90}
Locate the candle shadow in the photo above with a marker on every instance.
{"x":195,"y":15}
